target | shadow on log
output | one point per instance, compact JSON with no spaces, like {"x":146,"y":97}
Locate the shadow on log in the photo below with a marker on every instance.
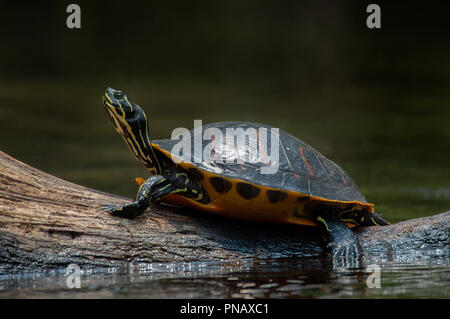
{"x":46,"y":223}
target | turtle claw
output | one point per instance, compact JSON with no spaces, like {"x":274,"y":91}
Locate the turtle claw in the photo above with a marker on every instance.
{"x":107,"y":208}
{"x":129,"y":210}
{"x":347,"y":255}
{"x":346,"y":251}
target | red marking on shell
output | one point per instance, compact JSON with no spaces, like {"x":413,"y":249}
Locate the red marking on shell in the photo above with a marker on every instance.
{"x":311,"y":173}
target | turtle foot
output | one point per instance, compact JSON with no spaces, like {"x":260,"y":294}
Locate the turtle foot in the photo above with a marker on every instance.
{"x":340,"y":242}
{"x":345,"y":254}
{"x":129,"y":210}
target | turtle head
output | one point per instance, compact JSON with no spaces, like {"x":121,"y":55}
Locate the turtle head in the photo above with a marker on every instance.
{"x":118,"y":105}
{"x":130,"y":122}
{"x":127,"y":117}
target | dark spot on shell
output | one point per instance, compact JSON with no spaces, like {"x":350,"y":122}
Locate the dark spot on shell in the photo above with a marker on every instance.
{"x":220,"y":185}
{"x":247,"y":190}
{"x":194,"y":172}
{"x":276,"y":196}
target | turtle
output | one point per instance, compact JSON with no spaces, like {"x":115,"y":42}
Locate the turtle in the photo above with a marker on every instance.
{"x":305,"y":188}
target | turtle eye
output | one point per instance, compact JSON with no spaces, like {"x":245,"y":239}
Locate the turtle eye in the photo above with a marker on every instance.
{"x":118,"y":95}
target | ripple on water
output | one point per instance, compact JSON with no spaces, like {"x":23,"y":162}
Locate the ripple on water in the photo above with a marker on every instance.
{"x":279,"y":278}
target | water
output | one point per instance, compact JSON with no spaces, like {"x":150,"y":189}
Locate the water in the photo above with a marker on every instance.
{"x":279,"y":278}
{"x":377,"y":103}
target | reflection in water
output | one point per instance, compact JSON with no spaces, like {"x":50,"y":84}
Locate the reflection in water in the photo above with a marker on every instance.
{"x":279,"y":278}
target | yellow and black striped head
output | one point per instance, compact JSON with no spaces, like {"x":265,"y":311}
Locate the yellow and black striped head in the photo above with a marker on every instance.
{"x":120,"y":108}
{"x":131,"y":123}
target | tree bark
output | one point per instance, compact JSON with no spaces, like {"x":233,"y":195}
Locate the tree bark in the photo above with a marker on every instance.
{"x":47,"y":223}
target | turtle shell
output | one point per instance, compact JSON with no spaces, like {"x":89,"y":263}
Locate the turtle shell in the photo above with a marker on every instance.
{"x":301,"y":168}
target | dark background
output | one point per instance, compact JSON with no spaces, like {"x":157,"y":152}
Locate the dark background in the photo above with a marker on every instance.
{"x":374,"y":101}
{"x":294,"y":43}
{"x":290,"y":42}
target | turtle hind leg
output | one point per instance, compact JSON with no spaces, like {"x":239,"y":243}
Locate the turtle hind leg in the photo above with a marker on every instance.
{"x":338,"y":240}
{"x":378,"y":220}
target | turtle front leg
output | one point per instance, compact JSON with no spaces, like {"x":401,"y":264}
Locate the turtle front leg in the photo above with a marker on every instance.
{"x":153,"y":189}
{"x":143,"y":199}
{"x":338,"y":239}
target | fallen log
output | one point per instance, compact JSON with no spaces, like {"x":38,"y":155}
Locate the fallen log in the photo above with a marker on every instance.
{"x":48,"y":223}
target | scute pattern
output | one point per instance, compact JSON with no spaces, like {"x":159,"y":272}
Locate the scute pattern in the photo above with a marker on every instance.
{"x":301,"y":168}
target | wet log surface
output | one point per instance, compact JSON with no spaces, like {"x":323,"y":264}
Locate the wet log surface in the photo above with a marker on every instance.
{"x":47,"y":223}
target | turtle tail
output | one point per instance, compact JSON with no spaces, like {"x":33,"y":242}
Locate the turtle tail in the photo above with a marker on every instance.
{"x":377,"y":220}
